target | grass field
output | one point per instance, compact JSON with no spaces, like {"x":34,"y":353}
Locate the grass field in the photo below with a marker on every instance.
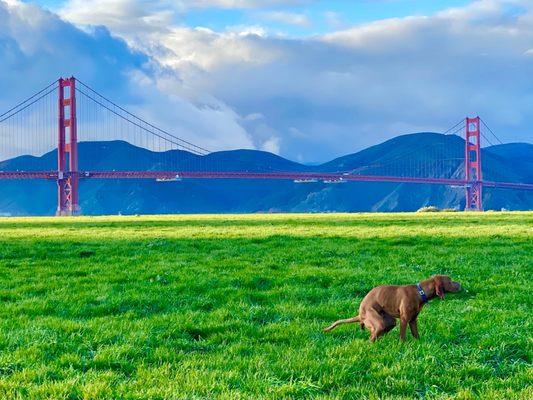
{"x":232,"y":307}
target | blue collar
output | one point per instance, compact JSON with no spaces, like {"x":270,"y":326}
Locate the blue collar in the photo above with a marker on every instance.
{"x":421,"y":293}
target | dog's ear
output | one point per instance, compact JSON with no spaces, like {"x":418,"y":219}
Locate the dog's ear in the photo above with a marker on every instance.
{"x":439,"y":287}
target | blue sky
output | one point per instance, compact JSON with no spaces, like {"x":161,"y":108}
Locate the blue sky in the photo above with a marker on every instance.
{"x":309,"y":80}
{"x":323,"y":16}
{"x":320,"y":14}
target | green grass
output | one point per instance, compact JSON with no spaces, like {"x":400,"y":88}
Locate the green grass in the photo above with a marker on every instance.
{"x":232,"y":307}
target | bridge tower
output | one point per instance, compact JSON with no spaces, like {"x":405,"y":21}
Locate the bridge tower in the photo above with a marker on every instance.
{"x":67,"y":144}
{"x":474,"y":186}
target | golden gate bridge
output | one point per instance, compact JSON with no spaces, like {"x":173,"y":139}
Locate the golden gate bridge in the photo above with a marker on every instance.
{"x":68,"y":112}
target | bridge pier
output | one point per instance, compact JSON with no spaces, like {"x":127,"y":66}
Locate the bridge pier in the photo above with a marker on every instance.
{"x":67,"y":172}
{"x":474,"y":197}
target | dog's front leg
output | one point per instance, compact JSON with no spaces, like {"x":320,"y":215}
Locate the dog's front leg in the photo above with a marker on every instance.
{"x":414,"y":328}
{"x":403,"y":327}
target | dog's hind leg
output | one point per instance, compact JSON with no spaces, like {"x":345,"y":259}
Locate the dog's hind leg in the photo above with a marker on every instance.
{"x":390,"y":322}
{"x":377,"y":323}
{"x":342,"y":321}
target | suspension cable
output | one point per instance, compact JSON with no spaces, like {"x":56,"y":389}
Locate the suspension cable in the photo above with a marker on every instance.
{"x":138,"y":125}
{"x":490,"y":130}
{"x":28,"y":99}
{"x":26,"y":106}
{"x":199,"y":149}
{"x":486,"y":138}
{"x":453,"y":127}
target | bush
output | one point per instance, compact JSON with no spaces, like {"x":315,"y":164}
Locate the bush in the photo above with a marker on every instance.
{"x":428,"y":209}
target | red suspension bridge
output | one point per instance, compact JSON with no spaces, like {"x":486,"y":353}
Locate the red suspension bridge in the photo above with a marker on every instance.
{"x":68,"y":112}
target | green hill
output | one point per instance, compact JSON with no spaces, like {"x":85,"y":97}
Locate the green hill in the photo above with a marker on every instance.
{"x":403,"y":155}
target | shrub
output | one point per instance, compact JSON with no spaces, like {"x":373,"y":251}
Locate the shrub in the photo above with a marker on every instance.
{"x":428,"y":209}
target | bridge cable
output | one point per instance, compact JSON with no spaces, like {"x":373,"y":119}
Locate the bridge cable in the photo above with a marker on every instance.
{"x":490,"y":130}
{"x":406,"y":153}
{"x":28,"y":99}
{"x":453,"y":127}
{"x":200,"y":149}
{"x":26,"y":106}
{"x":457,"y":131}
{"x":486,"y":139}
{"x":194,"y":151}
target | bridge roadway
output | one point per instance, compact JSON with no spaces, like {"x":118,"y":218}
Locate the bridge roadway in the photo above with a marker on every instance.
{"x":300,"y":177}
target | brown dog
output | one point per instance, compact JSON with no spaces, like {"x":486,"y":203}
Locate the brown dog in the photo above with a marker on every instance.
{"x":383,"y":304}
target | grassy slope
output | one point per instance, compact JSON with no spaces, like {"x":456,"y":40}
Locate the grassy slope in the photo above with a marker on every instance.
{"x":233,"y":306}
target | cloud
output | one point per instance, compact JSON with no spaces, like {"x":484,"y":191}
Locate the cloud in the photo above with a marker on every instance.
{"x":318,"y":97}
{"x":36,"y":47}
{"x":126,"y":17}
{"x":360,"y":85}
{"x":244,"y":3}
{"x":286,"y":18}
{"x":334,"y":19}
{"x":154,"y":14}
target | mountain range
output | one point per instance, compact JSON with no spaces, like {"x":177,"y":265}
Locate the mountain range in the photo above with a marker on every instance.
{"x":407,"y":154}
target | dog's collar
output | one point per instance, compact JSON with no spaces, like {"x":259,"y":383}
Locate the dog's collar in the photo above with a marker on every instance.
{"x":421,"y":293}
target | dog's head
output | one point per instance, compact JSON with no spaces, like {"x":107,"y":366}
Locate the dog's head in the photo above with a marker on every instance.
{"x":443,"y":284}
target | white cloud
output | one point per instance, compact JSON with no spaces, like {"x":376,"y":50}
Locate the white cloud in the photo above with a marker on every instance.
{"x":152,"y":12}
{"x":271,"y":145}
{"x":287,"y":18}
{"x":361,"y":85}
{"x":36,"y":47}
{"x":126,"y":17}
{"x":242,"y":3}
{"x":334,"y":19}
{"x":322,"y":96}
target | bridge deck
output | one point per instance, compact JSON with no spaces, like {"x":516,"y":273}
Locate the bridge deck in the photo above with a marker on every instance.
{"x":295,"y":176}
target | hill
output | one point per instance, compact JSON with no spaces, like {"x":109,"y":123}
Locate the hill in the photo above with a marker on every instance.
{"x":510,"y":162}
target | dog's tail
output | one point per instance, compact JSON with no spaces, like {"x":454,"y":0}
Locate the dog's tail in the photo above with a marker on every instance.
{"x":342,"y":321}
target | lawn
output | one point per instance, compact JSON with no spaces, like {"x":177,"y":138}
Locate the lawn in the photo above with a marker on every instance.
{"x":232,"y":307}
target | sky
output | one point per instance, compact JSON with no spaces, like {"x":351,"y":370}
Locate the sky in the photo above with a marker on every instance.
{"x":295,"y":18}
{"x":307,"y":79}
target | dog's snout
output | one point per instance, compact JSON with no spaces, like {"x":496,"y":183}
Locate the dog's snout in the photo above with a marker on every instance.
{"x":457,"y":286}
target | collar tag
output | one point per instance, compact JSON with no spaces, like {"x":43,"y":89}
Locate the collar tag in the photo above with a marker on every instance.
{"x":422,"y":293}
